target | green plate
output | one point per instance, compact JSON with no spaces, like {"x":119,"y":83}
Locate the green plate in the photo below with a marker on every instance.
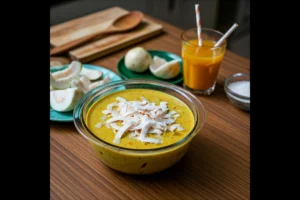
{"x":68,"y":116}
{"x":127,"y":74}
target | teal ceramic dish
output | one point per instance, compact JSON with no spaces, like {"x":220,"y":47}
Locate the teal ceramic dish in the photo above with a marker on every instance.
{"x":127,"y":74}
{"x":68,"y":116}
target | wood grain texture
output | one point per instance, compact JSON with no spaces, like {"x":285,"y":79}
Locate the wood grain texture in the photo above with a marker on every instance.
{"x":69,"y":31}
{"x":217,"y":165}
{"x":56,"y":61}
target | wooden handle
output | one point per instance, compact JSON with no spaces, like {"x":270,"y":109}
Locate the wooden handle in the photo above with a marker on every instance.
{"x":75,"y":43}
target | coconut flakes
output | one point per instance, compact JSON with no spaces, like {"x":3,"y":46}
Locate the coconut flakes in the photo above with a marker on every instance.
{"x":140,"y":118}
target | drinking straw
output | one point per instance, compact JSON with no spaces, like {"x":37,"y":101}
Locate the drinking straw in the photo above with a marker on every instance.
{"x":233,"y":27}
{"x":197,"y":9}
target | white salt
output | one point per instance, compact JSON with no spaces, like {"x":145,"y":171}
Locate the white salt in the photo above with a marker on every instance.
{"x":240,"y":87}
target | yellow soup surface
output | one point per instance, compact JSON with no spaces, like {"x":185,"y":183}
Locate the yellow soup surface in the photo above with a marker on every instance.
{"x":95,"y":115}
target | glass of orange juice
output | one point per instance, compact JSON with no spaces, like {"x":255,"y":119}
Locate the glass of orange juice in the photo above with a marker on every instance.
{"x":201,"y":64}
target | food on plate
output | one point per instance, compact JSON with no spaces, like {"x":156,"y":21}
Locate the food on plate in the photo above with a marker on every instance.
{"x":85,"y":85}
{"x":82,"y":83}
{"x":163,"y":69}
{"x":71,"y":71}
{"x":65,"y":100}
{"x":62,"y":79}
{"x":137,"y":59}
{"x":64,"y":82}
{"x":91,"y":74}
{"x":98,"y":83}
{"x":140,"y":60}
{"x":61,"y":83}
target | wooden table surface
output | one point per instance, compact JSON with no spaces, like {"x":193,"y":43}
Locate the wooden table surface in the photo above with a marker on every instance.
{"x":217,"y":165}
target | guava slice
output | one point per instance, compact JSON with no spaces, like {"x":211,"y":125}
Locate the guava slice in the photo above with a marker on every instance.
{"x":73,"y":69}
{"x":65,"y":100}
{"x":98,"y":83}
{"x":91,"y":74}
{"x":62,"y":79}
{"x":163,"y":69}
{"x":82,"y":83}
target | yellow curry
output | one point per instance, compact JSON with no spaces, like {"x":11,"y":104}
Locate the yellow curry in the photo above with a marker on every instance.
{"x":132,"y":161}
{"x":186,"y":119}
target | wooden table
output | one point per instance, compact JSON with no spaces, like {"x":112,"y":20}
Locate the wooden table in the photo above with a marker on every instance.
{"x":217,"y":165}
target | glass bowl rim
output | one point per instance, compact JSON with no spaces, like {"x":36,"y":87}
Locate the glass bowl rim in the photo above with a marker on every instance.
{"x":78,"y":121}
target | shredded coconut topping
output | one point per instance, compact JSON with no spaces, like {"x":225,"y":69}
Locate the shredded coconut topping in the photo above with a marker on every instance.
{"x":139,"y":118}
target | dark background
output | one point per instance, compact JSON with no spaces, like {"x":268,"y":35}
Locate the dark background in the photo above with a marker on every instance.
{"x":216,"y":14}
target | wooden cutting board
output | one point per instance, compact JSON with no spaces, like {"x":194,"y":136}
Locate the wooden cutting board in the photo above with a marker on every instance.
{"x":77,"y":28}
{"x":56,"y":61}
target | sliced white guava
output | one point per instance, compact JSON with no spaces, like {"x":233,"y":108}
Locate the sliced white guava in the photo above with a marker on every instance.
{"x":98,"y":83}
{"x":62,"y":79}
{"x":73,"y":69}
{"x":163,"y":69}
{"x":65,"y":100}
{"x":78,"y":84}
{"x":82,"y":83}
{"x":91,"y":74}
{"x":62,"y":83}
{"x":85,"y":80}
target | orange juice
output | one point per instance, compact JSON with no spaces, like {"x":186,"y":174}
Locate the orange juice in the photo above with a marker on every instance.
{"x":201,"y":64}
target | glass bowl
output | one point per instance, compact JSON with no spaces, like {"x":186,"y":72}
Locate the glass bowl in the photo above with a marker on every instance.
{"x":238,"y":100}
{"x":138,"y":161}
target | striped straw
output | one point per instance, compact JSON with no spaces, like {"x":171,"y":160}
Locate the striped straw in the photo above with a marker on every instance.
{"x":197,"y":9}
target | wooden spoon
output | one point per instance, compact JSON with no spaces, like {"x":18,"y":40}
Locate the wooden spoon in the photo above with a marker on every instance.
{"x":123,"y":23}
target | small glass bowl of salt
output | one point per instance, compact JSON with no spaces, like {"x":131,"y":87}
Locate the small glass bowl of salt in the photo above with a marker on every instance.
{"x":237,"y":88}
